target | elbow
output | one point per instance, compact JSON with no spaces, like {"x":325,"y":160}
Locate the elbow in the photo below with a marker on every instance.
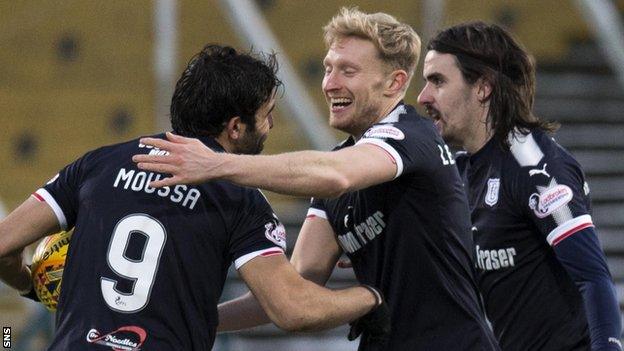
{"x":339,"y":184}
{"x":296,"y":323}
{"x":289,"y":325}
{"x":295,"y":315}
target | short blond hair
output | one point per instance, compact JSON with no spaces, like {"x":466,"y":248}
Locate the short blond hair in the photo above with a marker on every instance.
{"x":398,"y":44}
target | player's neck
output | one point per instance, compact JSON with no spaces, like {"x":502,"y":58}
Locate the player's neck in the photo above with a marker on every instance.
{"x":224,"y":141}
{"x":389,"y":106}
{"x":479,"y":136}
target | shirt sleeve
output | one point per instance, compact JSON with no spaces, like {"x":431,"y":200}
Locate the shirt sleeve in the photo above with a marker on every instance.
{"x":62,"y":192}
{"x":257,"y":230}
{"x":556,"y":198}
{"x":317,"y":209}
{"x":586,"y":264}
{"x":412,"y":145}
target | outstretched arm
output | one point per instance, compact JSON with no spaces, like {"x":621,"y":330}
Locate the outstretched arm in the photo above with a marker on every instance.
{"x":314,"y":257}
{"x":31,"y":221}
{"x":303,"y":173}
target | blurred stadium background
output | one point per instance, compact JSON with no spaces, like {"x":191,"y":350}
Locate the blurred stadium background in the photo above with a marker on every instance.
{"x":77,"y":74}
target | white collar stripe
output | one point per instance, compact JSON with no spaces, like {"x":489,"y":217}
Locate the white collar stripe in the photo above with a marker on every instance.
{"x":393,"y":116}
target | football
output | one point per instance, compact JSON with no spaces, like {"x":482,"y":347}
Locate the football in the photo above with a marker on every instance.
{"x":47,"y":268}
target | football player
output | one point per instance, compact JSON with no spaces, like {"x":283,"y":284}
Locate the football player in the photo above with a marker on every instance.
{"x":389,"y":196}
{"x":542,"y":273}
{"x":145,"y":267}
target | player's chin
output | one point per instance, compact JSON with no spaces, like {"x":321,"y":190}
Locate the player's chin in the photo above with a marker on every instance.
{"x":340,"y":122}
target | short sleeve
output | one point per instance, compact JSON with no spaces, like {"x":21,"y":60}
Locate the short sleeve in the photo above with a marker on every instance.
{"x":257,"y":231}
{"x":556,"y":197}
{"x":411,"y":142}
{"x":61,"y":193}
{"x":317,"y":208}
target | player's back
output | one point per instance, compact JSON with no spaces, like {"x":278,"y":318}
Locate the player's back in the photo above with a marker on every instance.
{"x":146,"y":266}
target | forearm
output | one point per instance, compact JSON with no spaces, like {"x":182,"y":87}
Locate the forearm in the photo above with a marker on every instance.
{"x":304,"y":173}
{"x":603,"y":314}
{"x":586,"y":264}
{"x":14,"y":273}
{"x":241,"y":313}
{"x":318,"y":308}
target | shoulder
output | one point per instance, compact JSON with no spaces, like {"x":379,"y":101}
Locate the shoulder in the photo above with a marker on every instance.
{"x":123,"y":149}
{"x":539,"y":149}
{"x":402,"y":124}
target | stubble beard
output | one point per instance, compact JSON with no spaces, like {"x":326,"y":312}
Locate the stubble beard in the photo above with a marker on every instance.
{"x":252,"y":143}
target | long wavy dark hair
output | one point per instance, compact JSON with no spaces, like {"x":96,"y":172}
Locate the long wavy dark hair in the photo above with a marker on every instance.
{"x":489,"y":52}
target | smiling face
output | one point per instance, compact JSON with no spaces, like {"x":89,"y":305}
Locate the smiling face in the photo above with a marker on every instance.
{"x":451,"y":102}
{"x":354,"y":85}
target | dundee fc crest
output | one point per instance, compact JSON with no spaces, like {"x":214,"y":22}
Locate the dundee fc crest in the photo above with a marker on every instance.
{"x":491,"y":197}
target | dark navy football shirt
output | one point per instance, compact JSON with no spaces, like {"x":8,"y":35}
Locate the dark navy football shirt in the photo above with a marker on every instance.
{"x":411,"y":238}
{"x":146,"y":267}
{"x":524,"y":201}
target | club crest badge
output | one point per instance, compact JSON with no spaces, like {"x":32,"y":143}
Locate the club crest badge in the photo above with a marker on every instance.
{"x":491,"y":197}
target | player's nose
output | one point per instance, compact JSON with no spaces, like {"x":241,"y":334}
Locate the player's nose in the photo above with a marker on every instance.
{"x":331,"y":81}
{"x":425,"y":96}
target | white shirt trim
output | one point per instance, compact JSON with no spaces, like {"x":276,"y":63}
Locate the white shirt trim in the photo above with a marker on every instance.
{"x":60,"y":216}
{"x":389,"y":149}
{"x":568,"y":228}
{"x":525,"y":149}
{"x":393,"y":116}
{"x":316,"y":212}
{"x":239,"y":262}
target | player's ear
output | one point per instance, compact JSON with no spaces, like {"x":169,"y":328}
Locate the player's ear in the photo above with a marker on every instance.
{"x":235,"y":128}
{"x":484,"y":90}
{"x":395,"y":82}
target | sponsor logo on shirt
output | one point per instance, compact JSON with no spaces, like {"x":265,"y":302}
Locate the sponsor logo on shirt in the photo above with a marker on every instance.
{"x":125,"y":338}
{"x":362,"y":233}
{"x":276,"y":232}
{"x":491,"y":197}
{"x":542,"y":171}
{"x":384,"y":132}
{"x":491,"y":260}
{"x":549,"y":199}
